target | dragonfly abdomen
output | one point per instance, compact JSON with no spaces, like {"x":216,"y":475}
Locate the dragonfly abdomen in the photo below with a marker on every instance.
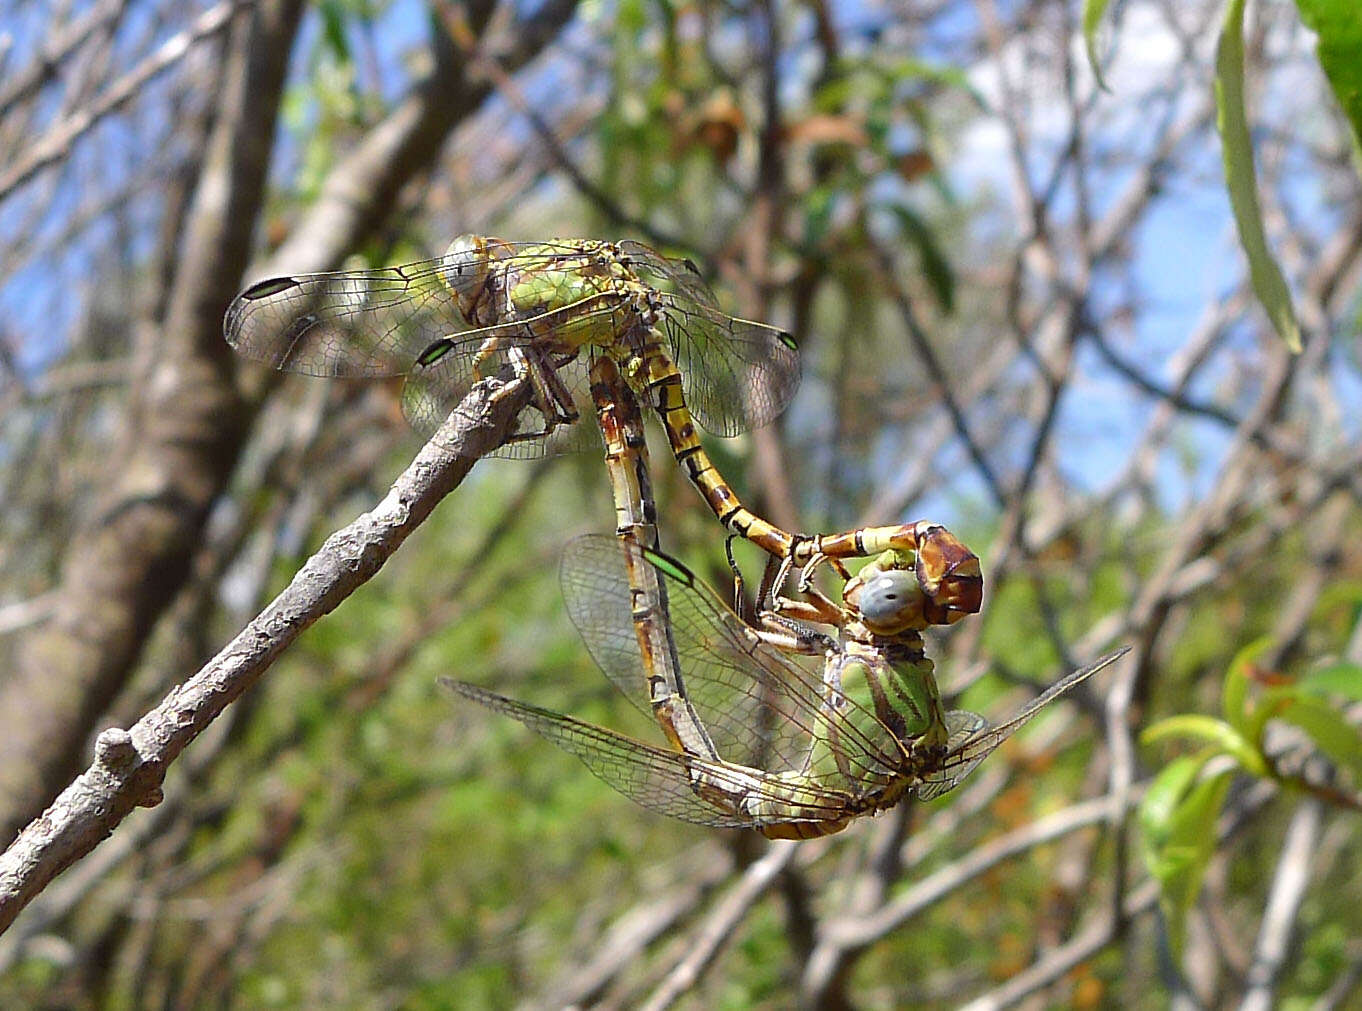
{"x":663,"y":382}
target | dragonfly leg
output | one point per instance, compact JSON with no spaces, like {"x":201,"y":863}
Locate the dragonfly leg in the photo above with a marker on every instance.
{"x":793,"y":636}
{"x":806,"y":573}
{"x":816,"y":607}
{"x":740,"y":607}
{"x":555,"y":392}
{"x":549,"y":396}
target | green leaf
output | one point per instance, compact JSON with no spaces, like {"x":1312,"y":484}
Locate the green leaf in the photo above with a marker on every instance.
{"x":1340,"y":678}
{"x":1166,"y":792}
{"x":1268,"y":283}
{"x":333,"y":30}
{"x":1092,"y":20}
{"x":1332,"y":734}
{"x":1177,"y":818}
{"x":1209,"y":730}
{"x":1339,"y":28}
{"x":1234,"y":695}
{"x":935,"y":267}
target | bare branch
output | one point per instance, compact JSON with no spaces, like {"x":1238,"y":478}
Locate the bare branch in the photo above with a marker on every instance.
{"x":130,"y":765}
{"x":719,"y":927}
{"x":1283,"y":903}
{"x":53,"y":146}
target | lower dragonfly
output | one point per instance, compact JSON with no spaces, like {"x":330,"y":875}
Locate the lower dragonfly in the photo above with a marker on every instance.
{"x":793,"y":750}
{"x":757,"y":734}
{"x":548,"y":311}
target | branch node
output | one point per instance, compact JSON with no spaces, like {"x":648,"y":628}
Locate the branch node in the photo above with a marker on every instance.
{"x":114,"y":749}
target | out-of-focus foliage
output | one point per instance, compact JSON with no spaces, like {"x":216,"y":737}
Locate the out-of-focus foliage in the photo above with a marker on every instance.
{"x":1178,"y":814}
{"x":1022,"y":311}
{"x":1340,"y":40}
{"x":1340,"y":37}
{"x":1241,"y":180}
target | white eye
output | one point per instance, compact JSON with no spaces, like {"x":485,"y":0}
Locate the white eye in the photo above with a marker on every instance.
{"x":465,"y":265}
{"x":890,"y":601}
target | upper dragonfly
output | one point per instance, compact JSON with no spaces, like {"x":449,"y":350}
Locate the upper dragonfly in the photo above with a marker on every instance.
{"x":549,"y":311}
{"x":546,"y":309}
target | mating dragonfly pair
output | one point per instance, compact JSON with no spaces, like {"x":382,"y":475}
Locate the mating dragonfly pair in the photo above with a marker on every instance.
{"x":792,"y":724}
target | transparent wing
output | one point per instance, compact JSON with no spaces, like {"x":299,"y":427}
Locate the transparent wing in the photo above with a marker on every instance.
{"x":960,"y":727}
{"x":668,"y":273}
{"x":367,"y":323}
{"x":658,"y":779}
{"x":737,"y":374}
{"x":762,"y":708}
{"x":347,"y":323}
{"x":963,"y":755}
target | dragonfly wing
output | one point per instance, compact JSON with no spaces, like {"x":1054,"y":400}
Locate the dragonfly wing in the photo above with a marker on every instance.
{"x":656,"y":778}
{"x":371,"y":323}
{"x":960,"y":727}
{"x":761,"y":707}
{"x":667,"y":273}
{"x":962,"y":757}
{"x":362,"y":323}
{"x":736,"y":374}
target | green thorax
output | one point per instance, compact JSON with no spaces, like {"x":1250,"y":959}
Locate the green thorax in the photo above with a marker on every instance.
{"x":540,"y":280}
{"x":897,"y":684}
{"x":887,"y":717}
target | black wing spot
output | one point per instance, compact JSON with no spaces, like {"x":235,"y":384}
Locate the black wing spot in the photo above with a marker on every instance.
{"x":267,"y":288}
{"x":435,"y":352}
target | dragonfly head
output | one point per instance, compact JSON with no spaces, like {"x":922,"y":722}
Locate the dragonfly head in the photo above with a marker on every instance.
{"x":466,"y":265}
{"x":931,"y":579}
{"x":949,"y":575}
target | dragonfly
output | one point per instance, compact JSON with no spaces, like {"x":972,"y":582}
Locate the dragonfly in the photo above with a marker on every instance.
{"x":797,"y":749}
{"x":549,"y":311}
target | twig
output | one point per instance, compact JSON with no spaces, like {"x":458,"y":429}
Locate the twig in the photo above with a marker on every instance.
{"x":1288,"y":888}
{"x":1057,"y":962}
{"x":629,"y":936}
{"x":129,"y":766}
{"x":56,"y":143}
{"x":927,"y":356}
{"x":455,"y":21}
{"x":70,"y":37}
{"x":721,"y":924}
{"x":1052,"y":965}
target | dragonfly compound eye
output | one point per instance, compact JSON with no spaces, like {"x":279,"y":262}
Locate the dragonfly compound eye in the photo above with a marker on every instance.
{"x":465,"y":266}
{"x":891,"y":602}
